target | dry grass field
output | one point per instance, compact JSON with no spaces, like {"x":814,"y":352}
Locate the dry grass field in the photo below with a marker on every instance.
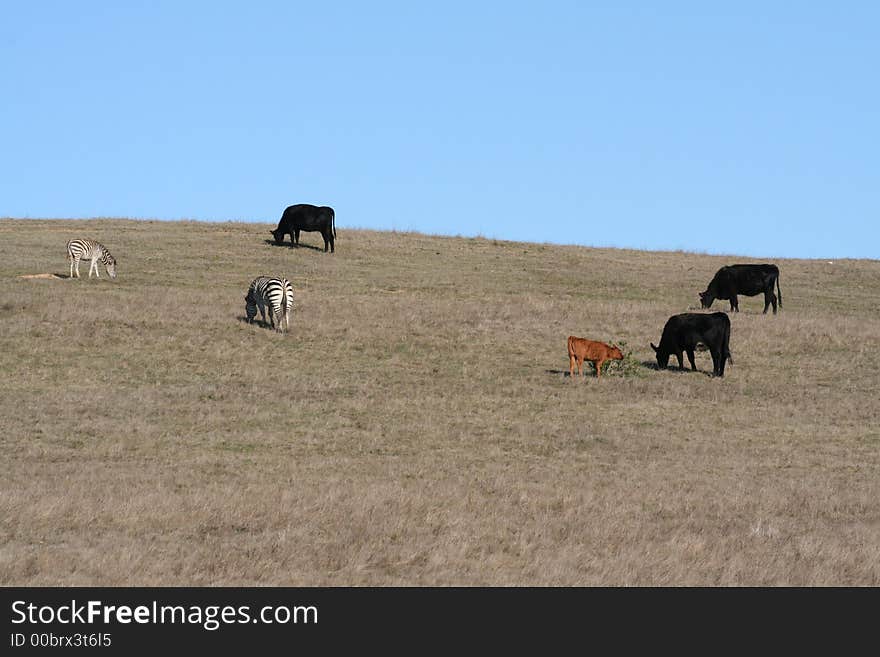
{"x":418,"y":426}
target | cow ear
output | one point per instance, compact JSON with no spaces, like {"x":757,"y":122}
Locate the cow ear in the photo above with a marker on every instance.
{"x":653,"y":347}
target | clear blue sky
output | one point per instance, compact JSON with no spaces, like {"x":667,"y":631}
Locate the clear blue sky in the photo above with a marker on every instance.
{"x":746,"y":128}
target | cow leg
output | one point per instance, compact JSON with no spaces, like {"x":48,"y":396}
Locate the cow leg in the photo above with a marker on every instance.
{"x":332,"y":247}
{"x":599,"y":364}
{"x":295,"y":236}
{"x":571,"y":361}
{"x":716,"y":370}
{"x":580,"y":364}
{"x":734,"y":303}
{"x":680,"y":360}
{"x":769,"y":298}
{"x":690,"y":353}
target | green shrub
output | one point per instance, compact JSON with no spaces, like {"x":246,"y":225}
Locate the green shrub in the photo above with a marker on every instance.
{"x":628,"y":367}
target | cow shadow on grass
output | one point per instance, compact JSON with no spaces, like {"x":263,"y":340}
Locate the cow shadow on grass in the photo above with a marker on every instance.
{"x":291,"y":245}
{"x":647,"y":364}
{"x":652,"y":365}
{"x":588,"y":372}
{"x":564,"y":373}
{"x":728,"y":311}
{"x":672,"y":368}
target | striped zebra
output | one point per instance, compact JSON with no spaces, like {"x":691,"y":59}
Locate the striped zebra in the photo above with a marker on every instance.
{"x":90,"y":250}
{"x":272,"y":294}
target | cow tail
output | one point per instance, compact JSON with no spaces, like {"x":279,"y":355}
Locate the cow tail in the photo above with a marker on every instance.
{"x":333,"y":225}
{"x":778,"y":291}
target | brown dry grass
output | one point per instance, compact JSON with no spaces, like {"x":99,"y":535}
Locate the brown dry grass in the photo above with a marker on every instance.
{"x":417,"y":426}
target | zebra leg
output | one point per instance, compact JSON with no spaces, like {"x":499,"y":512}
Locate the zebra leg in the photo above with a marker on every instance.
{"x":95,"y":265}
{"x":70,"y":262}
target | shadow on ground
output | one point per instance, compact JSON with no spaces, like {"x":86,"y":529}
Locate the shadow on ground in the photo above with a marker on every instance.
{"x":291,"y":245}
{"x":47,"y":276}
{"x":258,"y":322}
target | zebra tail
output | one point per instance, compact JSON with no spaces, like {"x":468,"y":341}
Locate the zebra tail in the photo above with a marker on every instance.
{"x":288,"y":306}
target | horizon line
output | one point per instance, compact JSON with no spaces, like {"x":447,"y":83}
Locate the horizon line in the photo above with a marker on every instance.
{"x":417,"y":231}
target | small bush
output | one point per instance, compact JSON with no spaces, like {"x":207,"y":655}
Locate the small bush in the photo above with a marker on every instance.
{"x":629,"y":366}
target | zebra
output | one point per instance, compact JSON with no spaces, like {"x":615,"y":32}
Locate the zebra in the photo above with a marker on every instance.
{"x":90,"y":250}
{"x":272,"y":294}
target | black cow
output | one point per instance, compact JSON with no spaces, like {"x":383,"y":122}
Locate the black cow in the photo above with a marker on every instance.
{"x":748,"y":280}
{"x":307,"y":218}
{"x":683,"y":333}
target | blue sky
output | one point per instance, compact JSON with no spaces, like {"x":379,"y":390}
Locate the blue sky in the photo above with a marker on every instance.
{"x":749,"y":128}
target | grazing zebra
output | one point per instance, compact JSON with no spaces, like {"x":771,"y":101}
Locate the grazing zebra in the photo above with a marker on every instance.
{"x":274,"y":294}
{"x":90,"y":250}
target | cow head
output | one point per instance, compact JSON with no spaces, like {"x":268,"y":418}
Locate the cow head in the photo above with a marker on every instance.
{"x":278,"y":234}
{"x":615,"y":353}
{"x":706,"y":299}
{"x":662,"y":356}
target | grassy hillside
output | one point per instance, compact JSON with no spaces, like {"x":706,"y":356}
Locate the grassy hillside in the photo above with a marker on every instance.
{"x":418,"y":425}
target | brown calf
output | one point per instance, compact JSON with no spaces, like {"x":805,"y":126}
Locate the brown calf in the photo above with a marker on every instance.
{"x":580,"y":350}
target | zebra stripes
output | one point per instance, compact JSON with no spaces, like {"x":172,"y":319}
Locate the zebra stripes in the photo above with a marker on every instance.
{"x":272,"y":294}
{"x":90,"y":250}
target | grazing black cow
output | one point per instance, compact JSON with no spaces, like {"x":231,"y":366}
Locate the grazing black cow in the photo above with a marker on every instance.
{"x":307,"y":218}
{"x":748,"y":280}
{"x":683,"y":333}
